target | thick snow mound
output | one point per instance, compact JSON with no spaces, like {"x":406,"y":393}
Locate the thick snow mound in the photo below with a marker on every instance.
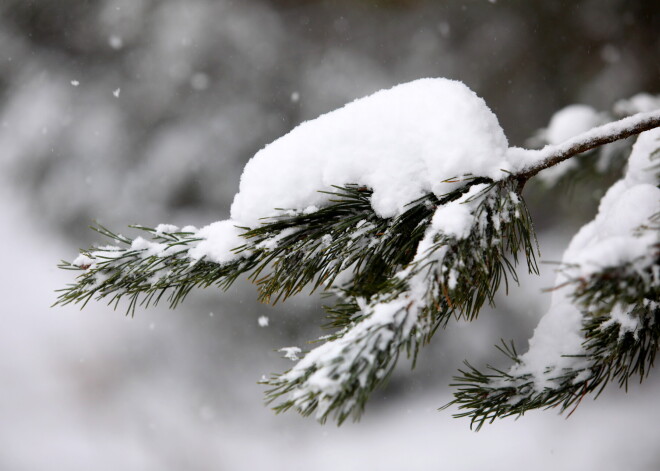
{"x":402,"y":143}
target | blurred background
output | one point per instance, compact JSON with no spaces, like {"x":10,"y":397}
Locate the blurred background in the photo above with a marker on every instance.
{"x":145,"y":111}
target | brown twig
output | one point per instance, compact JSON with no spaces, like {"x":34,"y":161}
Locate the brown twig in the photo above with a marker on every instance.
{"x":605,"y":134}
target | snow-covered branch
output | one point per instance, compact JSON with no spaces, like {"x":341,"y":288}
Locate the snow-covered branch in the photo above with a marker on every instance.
{"x":531,"y":162}
{"x":604,"y":320}
{"x":407,"y":204}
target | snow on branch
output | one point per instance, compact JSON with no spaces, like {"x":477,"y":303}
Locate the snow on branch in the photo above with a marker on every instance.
{"x":604,"y":320}
{"x":531,"y":162}
{"x":405,"y":204}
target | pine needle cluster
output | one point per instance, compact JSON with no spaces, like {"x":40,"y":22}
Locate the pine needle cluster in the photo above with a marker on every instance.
{"x":620,"y":308}
{"x":447,"y":278}
{"x":615,"y":349}
{"x":370,"y":263}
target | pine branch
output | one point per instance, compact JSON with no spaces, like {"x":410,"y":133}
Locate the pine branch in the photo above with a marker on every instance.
{"x":396,"y":298}
{"x":621,"y":330}
{"x":281,"y":257}
{"x":451,"y":277}
{"x":144,"y":271}
{"x":554,"y":154}
{"x":612,"y":354}
{"x":398,"y":280}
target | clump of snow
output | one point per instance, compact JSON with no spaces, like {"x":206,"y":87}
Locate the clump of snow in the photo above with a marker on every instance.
{"x":402,"y":142}
{"x":149,"y":248}
{"x":218,"y":241}
{"x":83,"y":261}
{"x":166,"y":229}
{"x":613,"y":238}
{"x":116,"y":92}
{"x":86,"y":262}
{"x":272,"y":242}
{"x":643,"y":161}
{"x":622,"y":317}
{"x":75,"y":83}
{"x":263,"y":321}
{"x":557,"y":336}
{"x":456,"y":218}
{"x":291,"y":352}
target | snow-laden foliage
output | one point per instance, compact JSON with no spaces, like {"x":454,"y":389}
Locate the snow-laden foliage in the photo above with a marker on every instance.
{"x":603,"y":320}
{"x":407,"y":205}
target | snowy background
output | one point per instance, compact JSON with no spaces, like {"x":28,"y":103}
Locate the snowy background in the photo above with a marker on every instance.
{"x":129,"y":111}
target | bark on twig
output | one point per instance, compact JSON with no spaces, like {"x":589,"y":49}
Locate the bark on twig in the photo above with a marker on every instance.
{"x":596,"y":137}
